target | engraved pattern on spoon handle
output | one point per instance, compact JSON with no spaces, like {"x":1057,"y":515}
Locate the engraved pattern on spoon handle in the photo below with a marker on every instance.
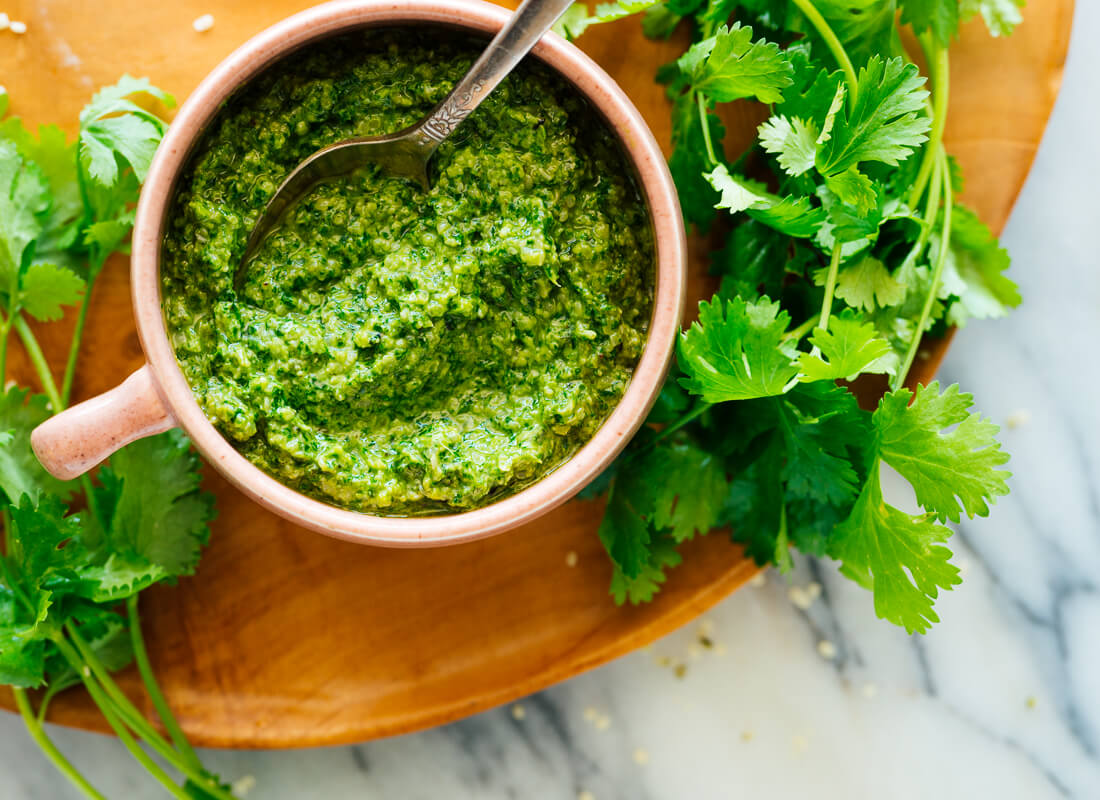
{"x":527,"y":25}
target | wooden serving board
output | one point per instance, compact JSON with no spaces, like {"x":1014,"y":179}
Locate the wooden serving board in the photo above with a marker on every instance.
{"x":288,"y":639}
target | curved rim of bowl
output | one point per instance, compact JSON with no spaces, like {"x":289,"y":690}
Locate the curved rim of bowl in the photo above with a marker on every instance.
{"x":548,"y":492}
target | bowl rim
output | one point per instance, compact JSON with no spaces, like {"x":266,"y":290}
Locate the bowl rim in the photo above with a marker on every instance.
{"x":566,"y":480}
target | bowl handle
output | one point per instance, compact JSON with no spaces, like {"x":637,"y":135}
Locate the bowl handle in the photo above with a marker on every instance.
{"x":74,"y":441}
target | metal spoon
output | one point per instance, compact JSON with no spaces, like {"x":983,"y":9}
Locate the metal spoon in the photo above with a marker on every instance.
{"x":405,"y":154}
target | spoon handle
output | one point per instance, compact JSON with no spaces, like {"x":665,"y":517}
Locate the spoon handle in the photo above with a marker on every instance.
{"x":530,"y":21}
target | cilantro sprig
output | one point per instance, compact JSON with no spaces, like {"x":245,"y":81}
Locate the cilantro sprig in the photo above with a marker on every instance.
{"x":844,"y":247}
{"x":77,"y":554}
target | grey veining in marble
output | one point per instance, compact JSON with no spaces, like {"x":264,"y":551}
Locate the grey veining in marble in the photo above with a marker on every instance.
{"x":1001,"y":700}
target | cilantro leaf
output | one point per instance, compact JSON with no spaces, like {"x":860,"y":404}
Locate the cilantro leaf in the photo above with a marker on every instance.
{"x":793,"y":216}
{"x":688,"y":162}
{"x":865,"y":27}
{"x":576,"y":18}
{"x":900,"y":558}
{"x":974,"y":271}
{"x":20,"y":473}
{"x":886,"y":122}
{"x":736,"y":351}
{"x":115,"y":130}
{"x":626,"y":527}
{"x":1001,"y":16}
{"x":690,"y":493}
{"x":24,"y":200}
{"x":866,"y":284}
{"x":22,"y":653}
{"x":46,"y":288}
{"x":947,"y":453}
{"x":792,"y":140}
{"x":855,"y":189}
{"x":848,"y":348}
{"x":729,"y":66}
{"x":939,"y":16}
{"x":641,"y":588}
{"x":154,"y":528}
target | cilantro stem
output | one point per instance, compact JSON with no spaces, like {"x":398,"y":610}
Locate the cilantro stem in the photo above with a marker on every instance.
{"x":802,"y":330}
{"x":940,"y":67}
{"x":127,"y":739}
{"x":668,"y":430}
{"x":106,"y":691}
{"x":78,"y":335}
{"x":63,"y":765}
{"x":937,"y":274}
{"x":834,"y":44}
{"x":34,"y":352}
{"x":141,"y":657}
{"x":702,"y":101}
{"x":830,"y":287}
{"x":5,"y":330}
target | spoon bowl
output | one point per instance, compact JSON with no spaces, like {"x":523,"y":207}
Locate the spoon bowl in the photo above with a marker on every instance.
{"x":406,"y":154}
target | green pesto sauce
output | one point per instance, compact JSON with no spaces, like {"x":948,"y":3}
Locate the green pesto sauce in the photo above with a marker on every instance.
{"x":393,"y":350}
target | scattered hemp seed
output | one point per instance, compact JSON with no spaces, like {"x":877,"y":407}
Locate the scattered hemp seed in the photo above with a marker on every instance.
{"x":243,"y":785}
{"x":571,"y":558}
{"x":664,"y":661}
{"x":590,"y":714}
{"x":826,"y":649}
{"x":1031,"y":702}
{"x":641,"y":757}
{"x":870,"y":690}
{"x":746,"y":736}
{"x":518,"y":712}
{"x":17,"y":27}
{"x":800,"y":598}
{"x":813,"y":590}
{"x":757,"y":580}
{"x":680,"y":671}
{"x":1018,"y":419}
{"x":585,"y":795}
{"x":603,"y":722}
{"x":203,"y":23}
{"x":706,"y":642}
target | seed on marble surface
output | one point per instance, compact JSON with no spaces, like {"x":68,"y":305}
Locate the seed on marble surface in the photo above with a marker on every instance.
{"x":720,"y":649}
{"x":706,"y":627}
{"x":746,"y":736}
{"x":641,"y":756}
{"x":707,"y":642}
{"x":590,"y":714}
{"x":680,"y":671}
{"x":800,"y":598}
{"x":826,"y":649}
{"x":242,"y":786}
{"x":203,"y":23}
{"x":1017,"y":418}
{"x":800,"y":743}
{"x":571,"y":558}
{"x":664,"y":661}
{"x":870,"y":690}
{"x":584,"y":794}
{"x":813,"y":590}
{"x":757,"y":580}
{"x":603,"y":722}
{"x":518,"y":711}
{"x":1032,"y":702}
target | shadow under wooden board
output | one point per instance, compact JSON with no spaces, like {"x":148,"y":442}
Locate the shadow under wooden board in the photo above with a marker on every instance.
{"x":286,"y":638}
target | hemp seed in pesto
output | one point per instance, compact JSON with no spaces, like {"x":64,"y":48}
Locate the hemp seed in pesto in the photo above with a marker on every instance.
{"x":393,"y":350}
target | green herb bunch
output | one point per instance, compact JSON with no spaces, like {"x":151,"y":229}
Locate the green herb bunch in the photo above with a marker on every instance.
{"x":843,"y":245}
{"x":70,"y":579}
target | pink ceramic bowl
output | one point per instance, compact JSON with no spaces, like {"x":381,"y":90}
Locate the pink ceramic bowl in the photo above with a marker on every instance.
{"x":157,"y":397}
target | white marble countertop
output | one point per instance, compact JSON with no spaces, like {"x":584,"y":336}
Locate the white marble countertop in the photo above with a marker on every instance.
{"x":1001,"y":700}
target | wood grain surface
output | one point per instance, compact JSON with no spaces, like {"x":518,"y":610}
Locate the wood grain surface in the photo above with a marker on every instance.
{"x":286,"y":638}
